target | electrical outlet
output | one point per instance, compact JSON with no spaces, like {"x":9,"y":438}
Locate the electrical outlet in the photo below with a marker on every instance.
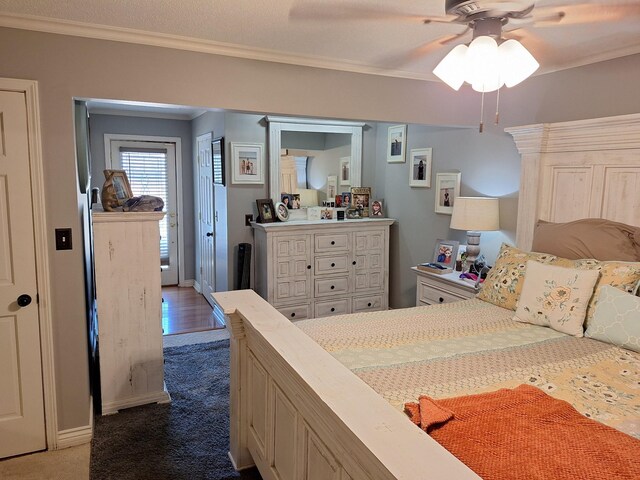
{"x":248,"y":218}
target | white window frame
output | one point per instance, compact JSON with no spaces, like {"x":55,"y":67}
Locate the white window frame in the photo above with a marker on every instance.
{"x":115,"y":137}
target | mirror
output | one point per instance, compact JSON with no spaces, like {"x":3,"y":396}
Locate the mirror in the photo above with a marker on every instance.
{"x":313,"y":158}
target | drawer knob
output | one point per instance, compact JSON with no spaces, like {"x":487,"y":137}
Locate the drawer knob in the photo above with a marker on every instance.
{"x":332,"y":287}
{"x":369,"y":304}
{"x":333,"y":264}
{"x":353,"y":263}
{"x":333,"y":242}
{"x":333,"y":309}
{"x":308,"y":267}
{"x":293,"y":314}
{"x":441,"y":299}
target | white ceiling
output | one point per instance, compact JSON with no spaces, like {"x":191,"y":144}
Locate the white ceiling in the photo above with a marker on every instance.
{"x":389,"y":41}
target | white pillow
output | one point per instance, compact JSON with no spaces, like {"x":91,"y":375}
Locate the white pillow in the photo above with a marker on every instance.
{"x":616,"y":319}
{"x":556,"y":297}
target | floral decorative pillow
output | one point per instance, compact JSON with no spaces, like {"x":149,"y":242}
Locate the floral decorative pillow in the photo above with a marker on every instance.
{"x":616,"y":319}
{"x":504,"y":282}
{"x":556,"y":297}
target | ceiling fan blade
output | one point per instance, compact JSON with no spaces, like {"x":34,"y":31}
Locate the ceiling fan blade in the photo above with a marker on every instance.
{"x":584,"y":13}
{"x":340,"y":11}
{"x":397,"y":61}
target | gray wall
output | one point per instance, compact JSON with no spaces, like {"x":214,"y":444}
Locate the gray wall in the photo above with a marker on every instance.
{"x":67,"y":67}
{"x":129,"y":125}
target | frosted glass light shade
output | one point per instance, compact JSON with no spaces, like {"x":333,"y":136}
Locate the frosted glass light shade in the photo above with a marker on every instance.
{"x":452,"y":68}
{"x":517,"y":63}
{"x":483,"y":65}
{"x":476,"y":214}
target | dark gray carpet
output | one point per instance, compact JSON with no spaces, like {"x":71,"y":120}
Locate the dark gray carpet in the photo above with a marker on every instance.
{"x":187,"y":439}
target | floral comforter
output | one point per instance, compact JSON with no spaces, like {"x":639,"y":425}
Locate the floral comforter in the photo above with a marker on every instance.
{"x":471,"y":347}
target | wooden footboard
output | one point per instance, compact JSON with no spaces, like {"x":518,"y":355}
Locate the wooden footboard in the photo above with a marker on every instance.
{"x":297,"y":413}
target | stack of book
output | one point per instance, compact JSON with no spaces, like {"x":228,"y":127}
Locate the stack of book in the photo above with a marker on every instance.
{"x":434,"y":268}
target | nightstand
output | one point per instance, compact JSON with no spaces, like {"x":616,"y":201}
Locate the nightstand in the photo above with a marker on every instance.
{"x":432,"y":288}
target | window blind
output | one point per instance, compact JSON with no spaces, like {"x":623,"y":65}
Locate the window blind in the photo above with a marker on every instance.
{"x":148,"y":175}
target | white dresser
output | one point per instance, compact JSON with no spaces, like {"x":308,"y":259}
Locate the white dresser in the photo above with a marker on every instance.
{"x":129,"y":299}
{"x":309,"y":269}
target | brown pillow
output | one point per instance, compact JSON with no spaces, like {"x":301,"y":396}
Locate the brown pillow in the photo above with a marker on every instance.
{"x":588,"y":238}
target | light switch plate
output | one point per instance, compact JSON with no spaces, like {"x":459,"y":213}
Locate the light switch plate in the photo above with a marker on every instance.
{"x":63,"y":239}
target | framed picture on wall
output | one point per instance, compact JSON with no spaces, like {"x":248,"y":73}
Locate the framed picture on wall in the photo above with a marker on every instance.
{"x":217,"y":160}
{"x":396,"y":143}
{"x":420,"y":167}
{"x":447,"y":190}
{"x":247,"y":163}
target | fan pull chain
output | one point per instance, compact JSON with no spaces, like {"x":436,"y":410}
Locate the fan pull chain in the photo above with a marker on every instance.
{"x":498,"y":108}
{"x":481,"y":114}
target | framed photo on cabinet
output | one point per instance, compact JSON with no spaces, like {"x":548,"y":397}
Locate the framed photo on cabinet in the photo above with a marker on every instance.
{"x":396,"y":143}
{"x":420,"y":167}
{"x":247,"y":163}
{"x":447,"y":190}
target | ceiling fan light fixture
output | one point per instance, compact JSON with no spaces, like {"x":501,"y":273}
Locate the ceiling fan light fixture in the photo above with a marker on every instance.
{"x":452,"y":69}
{"x":516,"y":63}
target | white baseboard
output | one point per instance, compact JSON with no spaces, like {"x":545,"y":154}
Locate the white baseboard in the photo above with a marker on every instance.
{"x":196,"y":285}
{"x":109,"y":408}
{"x":187,"y":283}
{"x":73,"y":437}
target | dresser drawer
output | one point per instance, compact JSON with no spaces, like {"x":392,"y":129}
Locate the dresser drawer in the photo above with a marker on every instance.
{"x":326,"y":308}
{"x":368,"y":303}
{"x":338,"y":263}
{"x":332,"y":242}
{"x":296,"y":312}
{"x":431,"y":294}
{"x":291,"y":290}
{"x":331,"y":286}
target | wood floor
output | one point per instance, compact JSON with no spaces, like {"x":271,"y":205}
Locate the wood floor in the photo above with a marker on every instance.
{"x":184,"y":310}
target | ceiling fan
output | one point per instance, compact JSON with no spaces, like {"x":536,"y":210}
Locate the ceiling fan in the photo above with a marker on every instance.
{"x":498,"y":19}
{"x":495,"y":56}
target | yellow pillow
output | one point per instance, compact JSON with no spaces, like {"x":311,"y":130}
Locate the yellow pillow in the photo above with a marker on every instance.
{"x":503,"y":284}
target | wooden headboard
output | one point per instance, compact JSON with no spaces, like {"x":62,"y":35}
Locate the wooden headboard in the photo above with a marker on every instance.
{"x":579,"y":169}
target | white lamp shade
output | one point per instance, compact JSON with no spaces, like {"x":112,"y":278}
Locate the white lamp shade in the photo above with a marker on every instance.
{"x":483,"y":65}
{"x":452,"y":68}
{"x":516,"y":63}
{"x":475,"y":214}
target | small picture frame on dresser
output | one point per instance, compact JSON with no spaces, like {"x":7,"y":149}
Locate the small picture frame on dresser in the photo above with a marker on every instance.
{"x":445,"y":253}
{"x":266,"y":211}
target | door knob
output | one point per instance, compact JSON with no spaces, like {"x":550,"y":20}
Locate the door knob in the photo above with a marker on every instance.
{"x":209,"y":234}
{"x":24,"y":300}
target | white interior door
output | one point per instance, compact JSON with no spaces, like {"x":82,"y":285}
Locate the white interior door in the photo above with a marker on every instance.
{"x":21,"y":396}
{"x":206,"y":217}
{"x":151,"y":169}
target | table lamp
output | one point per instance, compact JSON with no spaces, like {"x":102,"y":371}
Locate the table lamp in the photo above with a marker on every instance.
{"x":475,"y":214}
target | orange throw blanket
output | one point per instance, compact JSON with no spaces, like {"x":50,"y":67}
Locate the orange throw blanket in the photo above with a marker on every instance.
{"x":525,"y":434}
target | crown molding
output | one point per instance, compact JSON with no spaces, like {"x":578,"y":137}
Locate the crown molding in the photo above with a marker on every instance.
{"x":178,"y":42}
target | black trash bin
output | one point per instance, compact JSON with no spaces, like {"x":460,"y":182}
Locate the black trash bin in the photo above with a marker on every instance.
{"x":243,"y":272}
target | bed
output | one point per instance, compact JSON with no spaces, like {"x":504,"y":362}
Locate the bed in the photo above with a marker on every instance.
{"x":310,"y":401}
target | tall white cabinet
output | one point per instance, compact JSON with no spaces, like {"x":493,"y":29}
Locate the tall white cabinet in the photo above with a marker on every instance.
{"x":309,"y":269}
{"x":129,"y":305}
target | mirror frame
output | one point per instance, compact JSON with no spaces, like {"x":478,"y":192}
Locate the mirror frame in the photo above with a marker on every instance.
{"x":296,"y":124}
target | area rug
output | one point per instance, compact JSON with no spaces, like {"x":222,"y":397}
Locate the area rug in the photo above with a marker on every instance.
{"x":186,"y":439}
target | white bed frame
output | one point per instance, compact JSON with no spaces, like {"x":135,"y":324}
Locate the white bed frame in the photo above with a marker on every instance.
{"x":297,"y":413}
